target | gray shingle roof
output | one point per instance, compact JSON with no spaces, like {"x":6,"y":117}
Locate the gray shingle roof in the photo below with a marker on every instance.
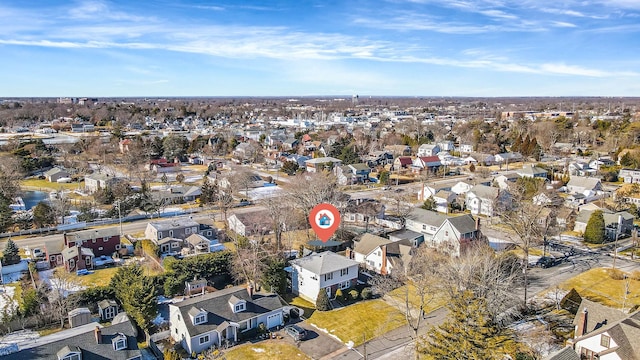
{"x":426,"y":217}
{"x":173,"y":224}
{"x":566,"y":353}
{"x":85,"y":343}
{"x":485,"y":192}
{"x":464,"y":224}
{"x":218,"y":310}
{"x":323,"y":263}
{"x":93,"y":234}
{"x":598,"y":315}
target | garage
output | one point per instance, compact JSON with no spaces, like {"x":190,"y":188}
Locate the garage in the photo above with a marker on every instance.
{"x":274,"y":320}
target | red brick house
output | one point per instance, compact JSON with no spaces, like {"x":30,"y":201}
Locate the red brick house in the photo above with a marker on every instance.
{"x":104,"y":241}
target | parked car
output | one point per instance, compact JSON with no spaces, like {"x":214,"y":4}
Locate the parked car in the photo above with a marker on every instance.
{"x":296,"y":332}
{"x":548,"y":261}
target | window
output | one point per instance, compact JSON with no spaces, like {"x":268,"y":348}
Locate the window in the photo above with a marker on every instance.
{"x":105,"y":239}
{"x":587,"y":354}
{"x":244,"y":325}
{"x":328,"y":276}
{"x":93,"y":241}
{"x":194,"y":230}
{"x":72,"y":264}
{"x":203,"y":339}
{"x":117,"y":246}
{"x":170,"y":233}
{"x":175,"y":245}
{"x":87,"y":261}
{"x":187,"y":231}
{"x":199,"y":319}
{"x":119,"y":343}
{"x":605,"y":340}
{"x":446,"y":233}
{"x":59,"y":258}
{"x":345,"y":285}
{"x":344,"y":272}
{"x":72,"y":356}
{"x":424,"y":227}
{"x":72,"y":244}
{"x":159,"y":235}
{"x":100,"y":248}
{"x":239,"y":307}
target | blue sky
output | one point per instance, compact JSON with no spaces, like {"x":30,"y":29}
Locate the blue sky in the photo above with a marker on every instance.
{"x":330,"y":47}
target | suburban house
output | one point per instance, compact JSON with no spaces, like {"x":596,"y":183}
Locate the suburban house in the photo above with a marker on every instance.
{"x":96,"y":181}
{"x":581,"y":169}
{"x":508,"y":158}
{"x":108,"y":309}
{"x":428,"y":150}
{"x":322,"y":163}
{"x":381,"y":255}
{"x":605,"y":333}
{"x":532,"y":172}
{"x":177,"y":194}
{"x":426,"y":163}
{"x":90,"y":341}
{"x":429,"y":189}
{"x":175,"y":228}
{"x":630,"y":176}
{"x":77,"y":258}
{"x":200,"y":244}
{"x":103,"y":241}
{"x":253,"y":223}
{"x":466,"y":148}
{"x":455,"y":234}
{"x":377,"y":158}
{"x":222,"y":316}
{"x":505,"y":180}
{"x":482,"y":199}
{"x":587,"y":186}
{"x":424,"y":222}
{"x":615,"y":223}
{"x":169,"y":245}
{"x":161,"y":166}
{"x":55,"y":174}
{"x":442,"y":199}
{"x":402,"y":162}
{"x":53,"y":252}
{"x":326,"y":271}
{"x":352,"y":174}
{"x":363,"y":211}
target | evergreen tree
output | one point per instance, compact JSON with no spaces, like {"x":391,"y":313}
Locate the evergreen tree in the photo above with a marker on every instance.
{"x":11,"y":254}
{"x":469,"y":332}
{"x":43,"y":215}
{"x":274,"y":278}
{"x":517,"y":143}
{"x":137,"y":294}
{"x":429,"y":204}
{"x":5,"y":214}
{"x":594,"y":233}
{"x":209,"y":192}
{"x":322,"y":302}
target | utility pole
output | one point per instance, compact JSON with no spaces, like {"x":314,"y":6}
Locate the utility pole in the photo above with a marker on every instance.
{"x":120,"y":217}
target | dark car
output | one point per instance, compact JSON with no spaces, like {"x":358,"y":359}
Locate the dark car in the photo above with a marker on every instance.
{"x":296,"y":332}
{"x":548,"y":261}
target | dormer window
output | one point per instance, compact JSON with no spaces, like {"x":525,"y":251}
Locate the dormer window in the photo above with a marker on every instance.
{"x":70,"y":353}
{"x":119,"y":342}
{"x":237,"y":305}
{"x":198,"y":316}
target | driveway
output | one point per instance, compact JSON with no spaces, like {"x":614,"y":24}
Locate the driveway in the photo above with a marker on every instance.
{"x":317,"y":345}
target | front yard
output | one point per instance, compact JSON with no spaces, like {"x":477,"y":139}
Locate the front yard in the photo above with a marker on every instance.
{"x":370,"y":318}
{"x":272,"y":349}
{"x":598,"y":285}
{"x":398,"y":298}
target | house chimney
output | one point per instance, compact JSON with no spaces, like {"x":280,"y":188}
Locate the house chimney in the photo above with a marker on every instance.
{"x":477,"y":223}
{"x":250,"y":290}
{"x":581,"y":328}
{"x":98,"y":334}
{"x":383,"y":269}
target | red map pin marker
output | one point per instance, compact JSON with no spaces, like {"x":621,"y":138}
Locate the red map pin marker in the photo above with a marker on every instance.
{"x":324,"y":219}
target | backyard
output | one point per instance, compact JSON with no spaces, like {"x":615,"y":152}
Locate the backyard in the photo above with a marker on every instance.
{"x":361,"y":321}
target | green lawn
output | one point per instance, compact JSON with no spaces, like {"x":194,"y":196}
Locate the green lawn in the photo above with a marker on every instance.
{"x":370,"y":318}
{"x":37,"y":184}
{"x":431,"y":302}
{"x":271,"y":349}
{"x":597,"y":285}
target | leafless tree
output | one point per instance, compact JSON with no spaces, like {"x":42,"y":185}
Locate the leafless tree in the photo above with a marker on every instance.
{"x":10,"y":175}
{"x":61,"y":283}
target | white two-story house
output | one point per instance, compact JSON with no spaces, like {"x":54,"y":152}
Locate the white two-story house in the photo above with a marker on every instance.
{"x":326,"y":271}
{"x":204,"y":321}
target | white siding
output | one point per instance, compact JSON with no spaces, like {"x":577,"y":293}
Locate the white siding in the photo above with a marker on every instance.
{"x":593,"y":343}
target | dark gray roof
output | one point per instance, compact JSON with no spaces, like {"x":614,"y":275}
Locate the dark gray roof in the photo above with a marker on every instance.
{"x":219,"y":310}
{"x":566,"y":353}
{"x":426,"y":217}
{"x":54,"y":246}
{"x":103,"y":304}
{"x":464,"y":224}
{"x":93,"y":234}
{"x":85,"y":343}
{"x":405,"y":234}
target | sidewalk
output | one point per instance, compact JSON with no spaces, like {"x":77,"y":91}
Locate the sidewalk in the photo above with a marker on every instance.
{"x":398,"y":341}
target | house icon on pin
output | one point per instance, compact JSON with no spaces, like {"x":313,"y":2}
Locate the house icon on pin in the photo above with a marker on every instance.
{"x":324,"y":220}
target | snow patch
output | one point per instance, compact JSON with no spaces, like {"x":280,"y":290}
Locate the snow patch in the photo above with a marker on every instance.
{"x":258,"y":350}
{"x":329,"y":333}
{"x":6,"y":299}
